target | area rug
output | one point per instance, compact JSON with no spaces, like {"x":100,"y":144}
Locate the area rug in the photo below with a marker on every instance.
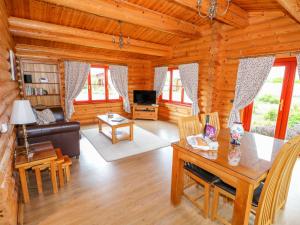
{"x":143,"y":141}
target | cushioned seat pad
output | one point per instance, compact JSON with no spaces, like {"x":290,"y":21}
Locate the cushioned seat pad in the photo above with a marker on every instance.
{"x":201,"y":173}
{"x":232,"y":191}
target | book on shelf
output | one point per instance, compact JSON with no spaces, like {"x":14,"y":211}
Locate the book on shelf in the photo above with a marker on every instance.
{"x":30,"y":91}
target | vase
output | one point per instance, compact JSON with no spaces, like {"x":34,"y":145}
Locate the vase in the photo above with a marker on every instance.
{"x":234,"y":155}
{"x":236,"y":133}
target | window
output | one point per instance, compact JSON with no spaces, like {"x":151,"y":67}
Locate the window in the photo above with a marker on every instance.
{"x":98,"y":87}
{"x":173,"y":91}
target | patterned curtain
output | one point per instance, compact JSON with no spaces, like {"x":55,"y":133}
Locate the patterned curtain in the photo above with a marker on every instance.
{"x":298,"y":64}
{"x":189,"y":79}
{"x":160,"y":79}
{"x":75,"y":77}
{"x":252,"y":73}
{"x":119,"y":78}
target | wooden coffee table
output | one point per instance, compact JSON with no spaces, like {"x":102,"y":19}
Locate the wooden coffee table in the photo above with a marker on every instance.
{"x":114,"y":123}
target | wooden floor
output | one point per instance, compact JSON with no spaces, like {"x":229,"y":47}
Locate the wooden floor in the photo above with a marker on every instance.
{"x":131,"y":191}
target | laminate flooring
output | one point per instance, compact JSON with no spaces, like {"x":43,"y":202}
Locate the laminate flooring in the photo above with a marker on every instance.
{"x":130,"y":191}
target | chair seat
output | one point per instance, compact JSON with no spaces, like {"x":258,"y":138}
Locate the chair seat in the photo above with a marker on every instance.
{"x":203,"y":174}
{"x":232,"y":190}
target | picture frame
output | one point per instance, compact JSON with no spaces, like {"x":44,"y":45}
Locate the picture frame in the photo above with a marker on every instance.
{"x":13,"y":67}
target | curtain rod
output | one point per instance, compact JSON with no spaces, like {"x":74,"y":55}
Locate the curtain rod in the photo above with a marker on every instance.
{"x":289,"y":53}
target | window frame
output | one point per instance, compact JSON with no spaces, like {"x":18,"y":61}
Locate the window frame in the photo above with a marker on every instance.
{"x":285,"y":98}
{"x":171,"y":101}
{"x":90,"y":95}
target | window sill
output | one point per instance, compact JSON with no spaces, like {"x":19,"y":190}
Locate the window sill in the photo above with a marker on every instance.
{"x":96,"y":102}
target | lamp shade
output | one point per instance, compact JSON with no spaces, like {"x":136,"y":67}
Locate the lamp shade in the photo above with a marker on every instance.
{"x":22,"y":113}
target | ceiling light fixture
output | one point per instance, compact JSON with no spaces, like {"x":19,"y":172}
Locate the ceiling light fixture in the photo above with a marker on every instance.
{"x":212,"y":9}
{"x":120,"y":39}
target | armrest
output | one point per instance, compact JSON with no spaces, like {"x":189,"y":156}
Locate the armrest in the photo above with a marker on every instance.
{"x":54,"y":128}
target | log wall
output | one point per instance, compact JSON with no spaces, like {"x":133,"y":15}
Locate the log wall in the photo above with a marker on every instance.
{"x":268,"y":33}
{"x":138,"y":79}
{"x":8,"y":93}
{"x":189,"y":52}
{"x":272,"y":33}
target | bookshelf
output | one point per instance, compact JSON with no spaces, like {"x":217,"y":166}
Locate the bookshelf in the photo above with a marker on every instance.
{"x":41,"y":83}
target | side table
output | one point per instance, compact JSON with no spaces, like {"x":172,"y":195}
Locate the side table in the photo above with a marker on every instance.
{"x":39,"y":157}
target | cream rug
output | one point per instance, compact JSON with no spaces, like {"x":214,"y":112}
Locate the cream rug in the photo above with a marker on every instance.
{"x":143,"y":141}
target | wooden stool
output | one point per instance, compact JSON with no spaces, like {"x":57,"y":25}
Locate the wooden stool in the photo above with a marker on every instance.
{"x":66,"y":167}
{"x":37,"y":169}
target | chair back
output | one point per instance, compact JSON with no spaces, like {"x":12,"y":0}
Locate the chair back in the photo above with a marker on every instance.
{"x":264,"y":215}
{"x":282,"y":188}
{"x":189,"y":126}
{"x":213,"y":120}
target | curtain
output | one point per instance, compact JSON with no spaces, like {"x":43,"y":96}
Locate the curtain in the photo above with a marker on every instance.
{"x":298,"y":64}
{"x":119,"y":78}
{"x":252,"y":73}
{"x":75,"y":77}
{"x":189,"y":79}
{"x":160,"y":79}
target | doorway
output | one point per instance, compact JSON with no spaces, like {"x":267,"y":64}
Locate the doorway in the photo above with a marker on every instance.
{"x":275,"y":111}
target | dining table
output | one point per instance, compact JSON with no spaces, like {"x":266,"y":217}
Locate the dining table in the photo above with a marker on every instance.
{"x":256,"y":156}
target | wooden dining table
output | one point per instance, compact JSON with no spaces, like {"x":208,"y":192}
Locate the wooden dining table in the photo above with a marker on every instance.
{"x":257,"y":155}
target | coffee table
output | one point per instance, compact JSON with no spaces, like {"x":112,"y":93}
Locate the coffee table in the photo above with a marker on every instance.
{"x":114,"y":122}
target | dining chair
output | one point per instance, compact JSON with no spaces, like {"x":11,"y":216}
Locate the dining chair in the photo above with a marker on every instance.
{"x":265,"y":195}
{"x":192,"y":126}
{"x":213,"y":120}
{"x":282,"y":190}
{"x":188,"y":126}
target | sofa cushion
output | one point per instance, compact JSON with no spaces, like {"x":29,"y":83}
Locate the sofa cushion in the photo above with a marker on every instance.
{"x":44,"y":117}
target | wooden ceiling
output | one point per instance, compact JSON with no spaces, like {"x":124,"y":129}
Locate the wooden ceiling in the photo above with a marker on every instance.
{"x":150,"y":22}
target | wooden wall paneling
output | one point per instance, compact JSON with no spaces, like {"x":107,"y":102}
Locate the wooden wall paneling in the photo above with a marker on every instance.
{"x":195,"y":51}
{"x":172,"y":112}
{"x":138,"y":79}
{"x":275,"y":36}
{"x":8,"y":93}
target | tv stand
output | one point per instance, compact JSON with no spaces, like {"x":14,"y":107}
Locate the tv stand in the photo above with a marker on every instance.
{"x":148,"y":112}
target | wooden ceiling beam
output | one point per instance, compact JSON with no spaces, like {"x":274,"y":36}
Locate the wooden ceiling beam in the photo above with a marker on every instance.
{"x":235,"y":16}
{"x":292,"y":6}
{"x":134,"y":14}
{"x":35,"y":51}
{"x":52,"y":32}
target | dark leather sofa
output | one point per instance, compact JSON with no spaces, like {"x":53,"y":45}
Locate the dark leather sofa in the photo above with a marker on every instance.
{"x":64,"y":135}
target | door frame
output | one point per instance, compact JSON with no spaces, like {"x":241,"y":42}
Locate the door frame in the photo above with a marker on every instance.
{"x":285,"y":98}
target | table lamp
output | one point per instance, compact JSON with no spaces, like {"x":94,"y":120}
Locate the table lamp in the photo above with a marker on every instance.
{"x":22,"y":114}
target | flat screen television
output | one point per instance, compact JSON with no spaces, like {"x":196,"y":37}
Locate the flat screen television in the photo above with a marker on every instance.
{"x":144,"y":97}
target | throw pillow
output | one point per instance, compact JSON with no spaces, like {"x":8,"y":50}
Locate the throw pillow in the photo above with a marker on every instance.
{"x":44,"y":117}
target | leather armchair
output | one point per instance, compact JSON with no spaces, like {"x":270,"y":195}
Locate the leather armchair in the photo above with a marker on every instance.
{"x":64,"y":135}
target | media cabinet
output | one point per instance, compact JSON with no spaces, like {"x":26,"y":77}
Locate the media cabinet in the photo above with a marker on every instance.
{"x":148,"y":112}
